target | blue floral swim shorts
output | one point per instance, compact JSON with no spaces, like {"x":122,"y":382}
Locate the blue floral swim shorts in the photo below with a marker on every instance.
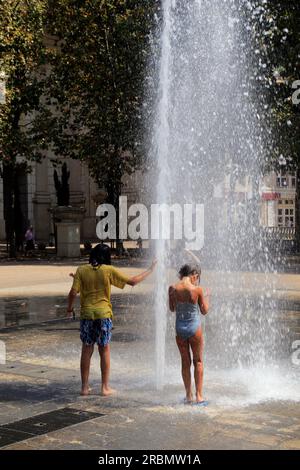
{"x":96,"y":331}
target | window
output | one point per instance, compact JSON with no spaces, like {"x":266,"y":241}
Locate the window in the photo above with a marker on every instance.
{"x":282,"y":181}
{"x":285,"y":180}
{"x":286,"y":213}
{"x":289,"y":221}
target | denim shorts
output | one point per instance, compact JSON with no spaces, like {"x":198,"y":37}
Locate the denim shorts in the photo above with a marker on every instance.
{"x":96,"y":331}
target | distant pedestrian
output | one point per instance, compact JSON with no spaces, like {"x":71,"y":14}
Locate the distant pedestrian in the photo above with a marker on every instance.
{"x":29,"y":239}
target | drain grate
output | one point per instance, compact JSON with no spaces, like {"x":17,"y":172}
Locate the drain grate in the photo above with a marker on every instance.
{"x":42,"y":424}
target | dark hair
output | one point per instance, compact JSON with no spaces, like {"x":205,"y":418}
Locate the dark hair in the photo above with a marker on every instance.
{"x":100,"y":254}
{"x":189,"y":270}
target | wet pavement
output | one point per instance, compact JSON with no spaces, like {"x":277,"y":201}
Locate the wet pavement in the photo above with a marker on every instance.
{"x":250,"y":407}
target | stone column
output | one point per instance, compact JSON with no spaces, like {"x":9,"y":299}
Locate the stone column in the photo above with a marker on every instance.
{"x":77,"y":198}
{"x":41,"y":202}
{"x":77,"y":194}
{"x":90,"y":190}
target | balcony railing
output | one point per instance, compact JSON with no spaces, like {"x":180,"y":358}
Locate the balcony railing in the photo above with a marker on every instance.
{"x":280,"y":233}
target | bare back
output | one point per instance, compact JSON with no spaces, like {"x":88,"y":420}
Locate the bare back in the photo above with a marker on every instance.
{"x":187,"y":292}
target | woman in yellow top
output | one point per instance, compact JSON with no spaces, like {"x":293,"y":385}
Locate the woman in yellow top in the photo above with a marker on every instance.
{"x":93,"y":281}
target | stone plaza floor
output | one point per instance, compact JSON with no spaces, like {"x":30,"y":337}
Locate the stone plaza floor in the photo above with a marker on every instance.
{"x":248,"y":409}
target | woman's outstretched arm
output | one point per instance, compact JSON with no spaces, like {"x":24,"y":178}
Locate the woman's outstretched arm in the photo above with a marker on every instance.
{"x":133,"y":281}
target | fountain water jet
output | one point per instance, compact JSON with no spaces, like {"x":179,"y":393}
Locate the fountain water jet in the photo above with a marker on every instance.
{"x":209,"y":147}
{"x":161,"y":138}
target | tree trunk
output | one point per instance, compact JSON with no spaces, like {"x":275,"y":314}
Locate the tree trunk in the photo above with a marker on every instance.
{"x":9,"y":176}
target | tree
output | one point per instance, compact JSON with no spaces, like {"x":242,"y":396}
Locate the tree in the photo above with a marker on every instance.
{"x":281,"y":42}
{"x":96,"y":84}
{"x":22,"y":132}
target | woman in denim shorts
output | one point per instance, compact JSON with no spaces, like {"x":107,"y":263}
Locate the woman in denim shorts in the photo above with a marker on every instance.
{"x":93,"y":281}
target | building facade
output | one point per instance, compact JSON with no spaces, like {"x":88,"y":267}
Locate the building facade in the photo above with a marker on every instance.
{"x":230,"y":205}
{"x":278,"y":200}
{"x":38,"y":196}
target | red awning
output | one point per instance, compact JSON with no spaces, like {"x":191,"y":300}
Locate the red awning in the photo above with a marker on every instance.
{"x":270,"y":196}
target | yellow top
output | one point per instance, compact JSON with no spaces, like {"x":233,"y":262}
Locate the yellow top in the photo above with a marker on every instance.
{"x":94,"y":285}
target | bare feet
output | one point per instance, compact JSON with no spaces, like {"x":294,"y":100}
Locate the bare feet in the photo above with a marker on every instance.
{"x":107,"y":391}
{"x":199,"y":398}
{"x":188,"y":399}
{"x":85,"y":391}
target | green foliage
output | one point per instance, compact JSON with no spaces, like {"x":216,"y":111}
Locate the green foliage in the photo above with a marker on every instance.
{"x":22,"y":58}
{"x":96,"y":84}
{"x":22,"y":131}
{"x":74,"y":80}
{"x":281,"y":43}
